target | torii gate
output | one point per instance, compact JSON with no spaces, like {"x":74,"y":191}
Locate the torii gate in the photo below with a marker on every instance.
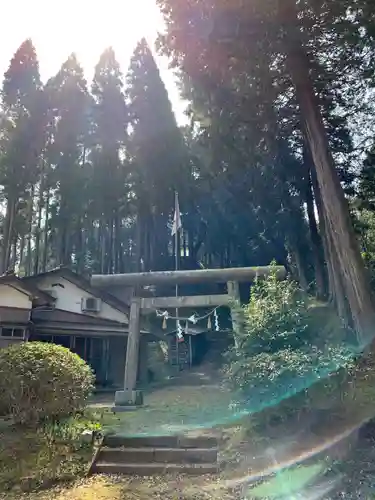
{"x":129,"y":396}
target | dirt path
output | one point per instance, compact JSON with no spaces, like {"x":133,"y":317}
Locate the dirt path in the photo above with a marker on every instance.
{"x":192,"y":402}
{"x":117,"y":488}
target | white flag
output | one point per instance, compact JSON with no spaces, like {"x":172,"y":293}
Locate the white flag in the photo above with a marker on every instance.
{"x":177,"y":217}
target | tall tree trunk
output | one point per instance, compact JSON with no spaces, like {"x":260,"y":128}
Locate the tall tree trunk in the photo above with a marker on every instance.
{"x":335,"y":285}
{"x":316,"y":243}
{"x":191,"y":247}
{"x":29,"y":260}
{"x":107,"y":247}
{"x":91,"y":244}
{"x":39,"y":227}
{"x":65,"y":249}
{"x":79,"y":247}
{"x":184,"y":243}
{"x":298,"y":260}
{"x":8,"y":231}
{"x":222,"y":258}
{"x":107,"y":239}
{"x":45,"y":242}
{"x":14,"y":252}
{"x":22,"y":251}
{"x":102,"y":248}
{"x":229,"y":254}
{"x":117,"y":243}
{"x":339,"y":227}
{"x":149,"y":244}
{"x":300,"y":269}
{"x":85,"y":241}
{"x":138,"y":245}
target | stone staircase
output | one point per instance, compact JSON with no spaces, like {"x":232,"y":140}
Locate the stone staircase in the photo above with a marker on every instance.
{"x":219,"y":343}
{"x":148,"y":455}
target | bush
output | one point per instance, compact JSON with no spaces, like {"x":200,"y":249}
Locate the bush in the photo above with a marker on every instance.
{"x":40,"y":381}
{"x":275,"y":318}
{"x":364,"y":224}
{"x":278,"y":350}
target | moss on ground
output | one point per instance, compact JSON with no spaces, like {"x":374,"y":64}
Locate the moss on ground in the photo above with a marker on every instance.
{"x":170,"y":410}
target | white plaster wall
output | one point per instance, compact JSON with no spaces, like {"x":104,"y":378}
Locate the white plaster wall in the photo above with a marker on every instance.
{"x":10,"y":297}
{"x":69,"y":299}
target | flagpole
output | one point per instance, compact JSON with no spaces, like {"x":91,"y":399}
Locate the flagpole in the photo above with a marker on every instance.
{"x":176,"y":234}
{"x":176,"y":238}
{"x":175,"y":228}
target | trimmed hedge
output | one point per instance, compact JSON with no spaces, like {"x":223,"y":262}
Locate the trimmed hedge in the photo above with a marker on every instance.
{"x":40,"y":381}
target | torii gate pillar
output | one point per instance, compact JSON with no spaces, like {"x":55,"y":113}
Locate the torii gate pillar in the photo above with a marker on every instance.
{"x":130,"y":397}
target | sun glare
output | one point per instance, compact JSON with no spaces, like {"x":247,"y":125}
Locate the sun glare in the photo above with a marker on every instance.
{"x":82,"y":26}
{"x":85,"y":27}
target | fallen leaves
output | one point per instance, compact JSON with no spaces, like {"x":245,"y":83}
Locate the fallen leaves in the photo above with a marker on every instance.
{"x":132,"y":488}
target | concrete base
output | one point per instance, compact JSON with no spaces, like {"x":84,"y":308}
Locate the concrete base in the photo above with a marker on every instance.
{"x":123,"y":409}
{"x":128,"y":398}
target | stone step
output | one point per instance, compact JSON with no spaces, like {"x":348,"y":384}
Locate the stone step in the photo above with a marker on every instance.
{"x":114,"y":441}
{"x":156,"y":468}
{"x":158,"y":455}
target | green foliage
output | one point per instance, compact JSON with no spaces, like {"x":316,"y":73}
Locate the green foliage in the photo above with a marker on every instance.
{"x":159,"y":156}
{"x":364,"y":213}
{"x":364,"y":221}
{"x":33,"y":459}
{"x":278,"y":347}
{"x":239,"y":74}
{"x":274,"y":317}
{"x":40,"y":381}
{"x":69,"y":429}
{"x":103,"y":160}
{"x":366,"y":188}
{"x":68,"y":101}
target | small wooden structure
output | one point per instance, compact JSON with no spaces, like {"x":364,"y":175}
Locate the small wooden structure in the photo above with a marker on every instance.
{"x":129,"y":397}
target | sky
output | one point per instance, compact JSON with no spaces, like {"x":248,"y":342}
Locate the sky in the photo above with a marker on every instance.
{"x":58,"y":28}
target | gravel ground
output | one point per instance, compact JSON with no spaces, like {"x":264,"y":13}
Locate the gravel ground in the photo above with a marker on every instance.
{"x":134,"y":488}
{"x":358,"y":472}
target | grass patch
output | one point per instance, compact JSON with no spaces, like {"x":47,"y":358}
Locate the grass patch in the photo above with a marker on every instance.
{"x":34,"y":459}
{"x":170,"y":410}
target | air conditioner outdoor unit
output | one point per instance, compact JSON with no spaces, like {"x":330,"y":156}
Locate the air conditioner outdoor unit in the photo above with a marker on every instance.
{"x":91,"y":304}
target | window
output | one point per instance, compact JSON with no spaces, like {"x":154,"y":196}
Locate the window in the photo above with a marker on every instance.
{"x":12,"y":332}
{"x":7,"y":332}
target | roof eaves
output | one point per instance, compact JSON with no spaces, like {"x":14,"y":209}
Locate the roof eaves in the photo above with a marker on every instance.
{"x":24,"y":287}
{"x":83,"y":283}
